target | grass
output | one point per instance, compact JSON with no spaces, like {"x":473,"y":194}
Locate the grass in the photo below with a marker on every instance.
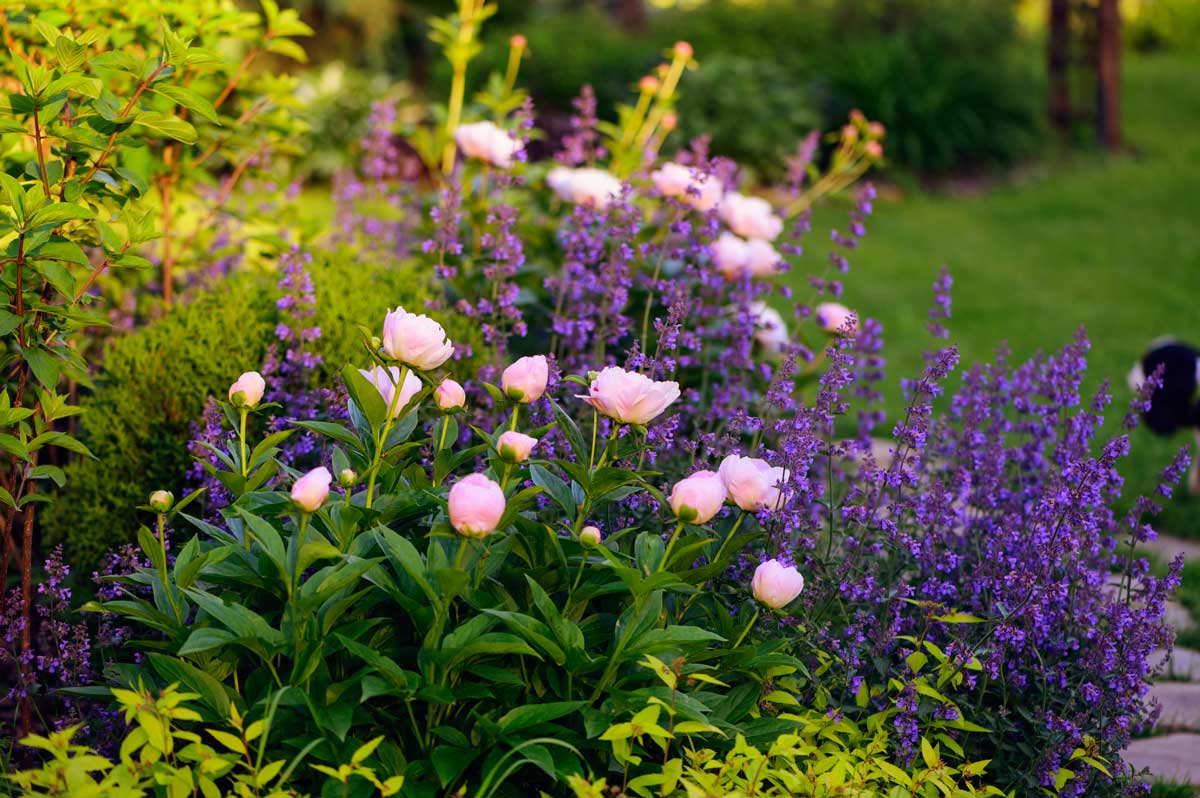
{"x":1112,"y":243}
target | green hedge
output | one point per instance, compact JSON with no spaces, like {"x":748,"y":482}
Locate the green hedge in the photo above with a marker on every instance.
{"x":154,"y":383}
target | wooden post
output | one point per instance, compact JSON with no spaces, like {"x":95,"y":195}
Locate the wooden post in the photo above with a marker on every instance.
{"x":1058,"y":64}
{"x":1108,"y":74}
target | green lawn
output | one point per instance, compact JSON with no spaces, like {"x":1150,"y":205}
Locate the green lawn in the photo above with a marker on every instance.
{"x":1110,"y":243}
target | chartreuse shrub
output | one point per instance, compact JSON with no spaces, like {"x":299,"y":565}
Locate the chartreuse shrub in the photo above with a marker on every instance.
{"x":168,"y":752}
{"x":155,"y":383}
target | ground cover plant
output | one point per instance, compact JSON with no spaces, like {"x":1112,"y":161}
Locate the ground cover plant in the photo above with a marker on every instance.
{"x":587,"y":513}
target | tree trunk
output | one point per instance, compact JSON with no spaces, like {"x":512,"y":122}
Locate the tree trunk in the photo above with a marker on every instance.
{"x":1108,"y":74}
{"x":1058,"y":64}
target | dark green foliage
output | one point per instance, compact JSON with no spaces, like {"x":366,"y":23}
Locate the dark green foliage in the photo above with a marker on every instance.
{"x":154,"y":383}
{"x":727,"y":98}
{"x":947,"y":77}
{"x":951,"y":79}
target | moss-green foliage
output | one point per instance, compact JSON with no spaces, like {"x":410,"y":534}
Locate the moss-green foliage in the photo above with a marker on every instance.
{"x":154,"y":383}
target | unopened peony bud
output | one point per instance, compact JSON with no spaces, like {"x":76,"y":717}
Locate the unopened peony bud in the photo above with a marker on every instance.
{"x":449,"y":395}
{"x":515,"y":447}
{"x":518,"y":41}
{"x":874,"y":149}
{"x":683,"y":50}
{"x":310,"y":491}
{"x":248,"y":390}
{"x":525,"y":380}
{"x":347,"y":478}
{"x":649,"y":84}
{"x":698,"y":498}
{"x":590,"y":536}
{"x":162,"y":500}
{"x":776,"y":585}
{"x":669,"y":121}
{"x":476,"y":506}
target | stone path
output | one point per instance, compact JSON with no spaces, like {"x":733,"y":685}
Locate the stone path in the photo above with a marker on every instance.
{"x":1174,"y":756}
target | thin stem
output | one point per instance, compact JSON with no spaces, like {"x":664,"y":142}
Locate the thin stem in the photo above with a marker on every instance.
{"x":243,"y":412}
{"x":670,"y":545}
{"x":746,"y":631}
{"x":381,"y":441}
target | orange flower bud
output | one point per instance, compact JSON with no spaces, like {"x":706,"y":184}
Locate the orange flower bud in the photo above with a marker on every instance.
{"x":683,"y":50}
{"x":649,"y":84}
{"x":669,"y":120}
{"x":518,"y":42}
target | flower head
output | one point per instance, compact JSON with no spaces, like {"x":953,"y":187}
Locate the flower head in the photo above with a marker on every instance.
{"x":699,"y":497}
{"x":525,"y":380}
{"x":701,"y":191}
{"x":476,"y":506}
{"x":449,"y":395}
{"x":247,"y":391}
{"x":488,"y":142}
{"x":415,"y":340}
{"x":309,"y":492}
{"x":515,"y":447}
{"x":630,"y":397}
{"x":750,"y":217}
{"x":752,"y":484}
{"x":385,"y":381}
{"x":776,"y":585}
{"x":836,"y":319}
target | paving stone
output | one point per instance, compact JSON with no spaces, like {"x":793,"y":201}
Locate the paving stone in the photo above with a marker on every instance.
{"x":1172,"y":757}
{"x":1180,"y":705}
{"x":1184,"y":664}
{"x":1167,"y":546}
{"x":1175,"y":615}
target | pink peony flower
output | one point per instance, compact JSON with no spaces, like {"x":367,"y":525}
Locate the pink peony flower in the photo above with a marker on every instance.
{"x":515,"y":447}
{"x":385,"y":381}
{"x":701,"y":191}
{"x":586,"y":186}
{"x":449,"y":395}
{"x":776,"y":585}
{"x":752,"y":484}
{"x":415,"y":340}
{"x":630,"y":397}
{"x":248,"y":390}
{"x":699,"y":497}
{"x":488,"y":142}
{"x":525,"y":380}
{"x":769,"y":328}
{"x":836,"y":319}
{"x":476,"y":506}
{"x":309,"y":492}
{"x":750,"y":217}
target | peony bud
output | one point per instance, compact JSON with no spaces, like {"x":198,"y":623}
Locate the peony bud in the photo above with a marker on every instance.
{"x":874,"y":149}
{"x":310,"y":491}
{"x":630,"y":397}
{"x":525,"y":380}
{"x":776,"y":585}
{"x":449,"y":395}
{"x":347,"y":478}
{"x":590,"y":535}
{"x":415,"y":340}
{"x":669,"y":121}
{"x":515,"y":447}
{"x":162,"y":500}
{"x":248,"y":390}
{"x":683,"y":50}
{"x":518,"y":41}
{"x":698,"y":498}
{"x":836,"y":319}
{"x":476,"y":506}
{"x":752,"y":484}
{"x":649,"y":84}
{"x":385,"y":379}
